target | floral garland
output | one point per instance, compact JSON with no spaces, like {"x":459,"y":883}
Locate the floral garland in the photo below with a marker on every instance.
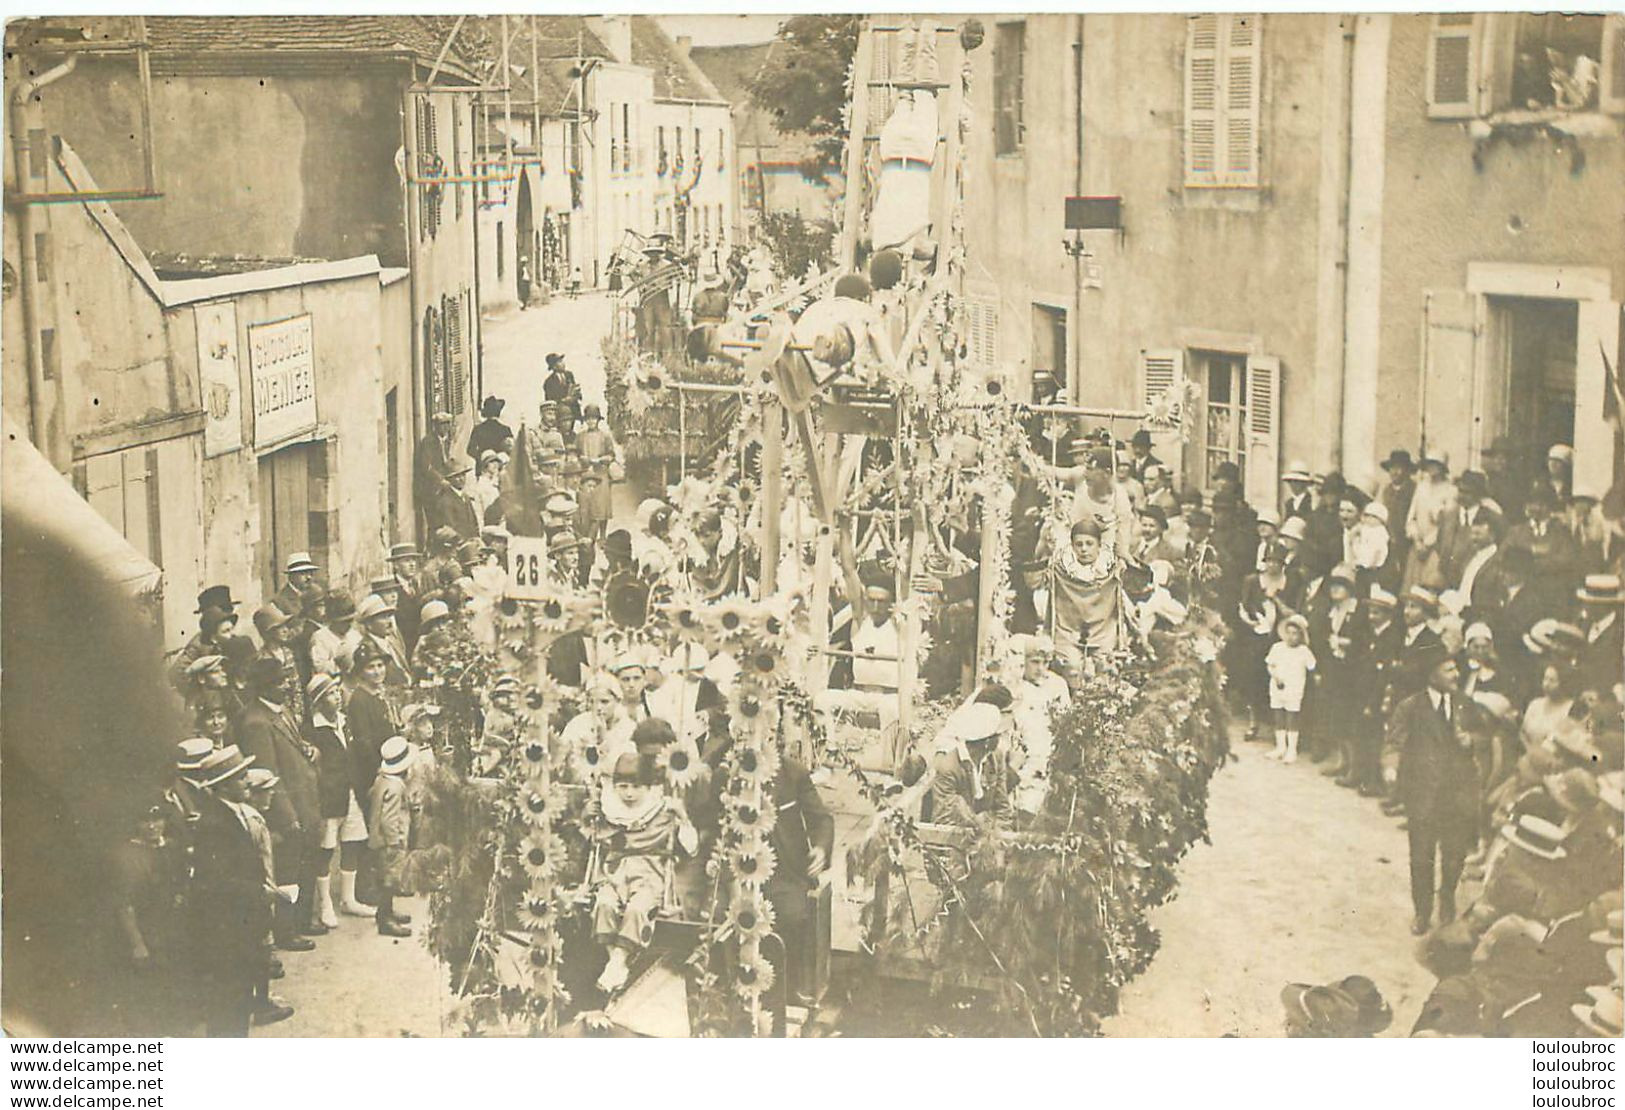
{"x":1055,"y":914}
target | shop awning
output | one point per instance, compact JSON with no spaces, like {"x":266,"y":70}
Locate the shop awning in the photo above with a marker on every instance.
{"x":37,"y":500}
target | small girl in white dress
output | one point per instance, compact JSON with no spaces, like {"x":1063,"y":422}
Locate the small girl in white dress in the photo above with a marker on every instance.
{"x":1289,"y":662}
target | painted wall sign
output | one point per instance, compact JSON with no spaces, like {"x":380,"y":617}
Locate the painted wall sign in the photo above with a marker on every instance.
{"x":217,"y":370}
{"x":282,"y":367}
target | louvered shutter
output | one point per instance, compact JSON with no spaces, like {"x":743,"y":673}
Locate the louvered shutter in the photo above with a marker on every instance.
{"x":451,"y":312}
{"x":457,"y":154}
{"x":1241,"y":100}
{"x":1452,"y":77}
{"x":1613,"y":65}
{"x":1162,"y":380}
{"x":1201,"y":99}
{"x":1262,"y":481}
{"x":1448,"y":352}
{"x":982,"y":333}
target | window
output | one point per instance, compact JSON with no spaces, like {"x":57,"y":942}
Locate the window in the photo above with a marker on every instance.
{"x":660,"y":151}
{"x":1549,"y":63}
{"x":1222,"y":82}
{"x":626,"y":138}
{"x":502,"y":263}
{"x":1009,"y":50}
{"x":1224,"y":415}
{"x":1049,"y":348}
{"x":722,"y":149}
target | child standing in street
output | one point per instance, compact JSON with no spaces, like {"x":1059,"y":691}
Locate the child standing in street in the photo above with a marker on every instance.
{"x":389,"y":826}
{"x":1289,"y":662}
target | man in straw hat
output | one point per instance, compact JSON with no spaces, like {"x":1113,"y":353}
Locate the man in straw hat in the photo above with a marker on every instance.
{"x":229,"y":910}
{"x":1298,"y":500}
{"x":1437,"y":782}
{"x":1602,"y":600}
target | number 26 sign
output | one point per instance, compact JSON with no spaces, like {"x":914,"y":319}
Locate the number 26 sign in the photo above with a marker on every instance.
{"x":527,"y":569}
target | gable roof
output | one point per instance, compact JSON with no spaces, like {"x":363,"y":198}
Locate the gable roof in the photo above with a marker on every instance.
{"x":675,"y":76}
{"x":731,"y":69}
{"x":301,"y":34}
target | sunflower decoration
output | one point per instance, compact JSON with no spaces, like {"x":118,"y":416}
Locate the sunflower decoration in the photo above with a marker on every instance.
{"x":565,"y":612}
{"x":537,"y":911}
{"x":761,"y":662}
{"x":686,"y":619}
{"x":752,"y":815}
{"x":539,"y":854}
{"x":754,"y":767}
{"x":590,"y":760}
{"x":681,"y":766}
{"x":729,"y":621}
{"x":754,"y":976}
{"x":752,"y":861}
{"x":752,"y":918}
{"x":538,"y":805}
{"x":533,"y":754}
{"x":645,"y":379}
{"x":751,"y":705}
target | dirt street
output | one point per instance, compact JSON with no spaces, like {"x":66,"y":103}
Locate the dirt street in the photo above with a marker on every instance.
{"x":1304,"y":882}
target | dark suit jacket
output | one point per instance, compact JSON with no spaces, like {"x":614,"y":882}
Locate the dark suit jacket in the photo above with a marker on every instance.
{"x":274,"y":740}
{"x":803,"y":823}
{"x":230,"y":907}
{"x":1438,"y":780}
{"x":372,"y":720}
{"x":336,"y":777}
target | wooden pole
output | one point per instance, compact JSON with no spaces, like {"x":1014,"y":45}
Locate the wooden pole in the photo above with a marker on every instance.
{"x":772,"y":491}
{"x":857,"y":131}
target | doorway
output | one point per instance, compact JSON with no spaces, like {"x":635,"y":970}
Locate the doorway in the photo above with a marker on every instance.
{"x":284,"y":510}
{"x":1532,"y":373}
{"x":1049,"y":350}
{"x":524,"y":262}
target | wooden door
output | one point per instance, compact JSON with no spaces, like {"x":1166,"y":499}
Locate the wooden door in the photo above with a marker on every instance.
{"x":284,"y":510}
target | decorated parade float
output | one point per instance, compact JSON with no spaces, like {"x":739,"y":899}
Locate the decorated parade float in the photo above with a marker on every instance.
{"x":860,"y":435}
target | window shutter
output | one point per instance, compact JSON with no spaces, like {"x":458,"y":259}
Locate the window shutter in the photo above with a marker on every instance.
{"x":1613,"y":65}
{"x":1449,"y":342}
{"x":451,"y":312}
{"x":1453,"y":77}
{"x":457,"y":154}
{"x":1201,"y":99}
{"x":982,"y":332}
{"x":1262,"y":480}
{"x":1162,"y":380}
{"x":1241,"y":100}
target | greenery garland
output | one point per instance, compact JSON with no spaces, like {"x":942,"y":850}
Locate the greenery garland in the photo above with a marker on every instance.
{"x":1051,"y":919}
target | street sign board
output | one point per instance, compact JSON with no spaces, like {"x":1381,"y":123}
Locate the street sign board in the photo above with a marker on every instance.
{"x":528,"y":578}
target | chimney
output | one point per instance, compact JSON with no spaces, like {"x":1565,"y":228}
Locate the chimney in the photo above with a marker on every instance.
{"x":616,"y":31}
{"x":685,"y":43}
